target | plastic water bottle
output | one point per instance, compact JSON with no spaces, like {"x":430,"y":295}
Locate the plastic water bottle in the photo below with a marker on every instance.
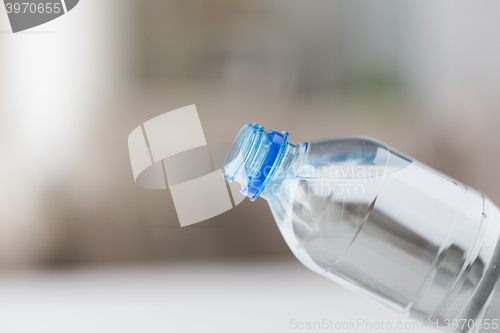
{"x":380,"y":223}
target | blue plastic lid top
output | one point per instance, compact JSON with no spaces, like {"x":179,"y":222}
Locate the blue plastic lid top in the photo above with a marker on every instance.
{"x":254,"y":157}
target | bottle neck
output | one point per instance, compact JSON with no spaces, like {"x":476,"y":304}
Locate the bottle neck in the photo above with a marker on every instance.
{"x":257,"y":158}
{"x":289,"y":166}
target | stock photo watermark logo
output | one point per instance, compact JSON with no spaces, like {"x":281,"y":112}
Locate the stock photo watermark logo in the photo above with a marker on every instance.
{"x":364,"y":324}
{"x":26,"y":14}
{"x":326,"y":179}
{"x":170,"y":151}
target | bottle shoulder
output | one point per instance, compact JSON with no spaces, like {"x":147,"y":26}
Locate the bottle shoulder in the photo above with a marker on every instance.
{"x":344,"y":158}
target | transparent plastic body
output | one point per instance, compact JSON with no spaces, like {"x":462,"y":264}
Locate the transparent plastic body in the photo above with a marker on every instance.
{"x":386,"y":226}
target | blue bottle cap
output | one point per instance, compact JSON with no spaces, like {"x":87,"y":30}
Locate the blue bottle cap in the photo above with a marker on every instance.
{"x":256,"y":183}
{"x":253,"y":158}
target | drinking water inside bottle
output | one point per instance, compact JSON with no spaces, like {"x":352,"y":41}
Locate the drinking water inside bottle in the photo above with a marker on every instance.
{"x":378,"y":222}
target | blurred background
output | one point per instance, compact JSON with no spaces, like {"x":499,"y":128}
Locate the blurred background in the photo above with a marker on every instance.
{"x":421,"y":76}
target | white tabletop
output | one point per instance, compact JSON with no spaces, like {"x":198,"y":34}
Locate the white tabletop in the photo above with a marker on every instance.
{"x":271,"y":296}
